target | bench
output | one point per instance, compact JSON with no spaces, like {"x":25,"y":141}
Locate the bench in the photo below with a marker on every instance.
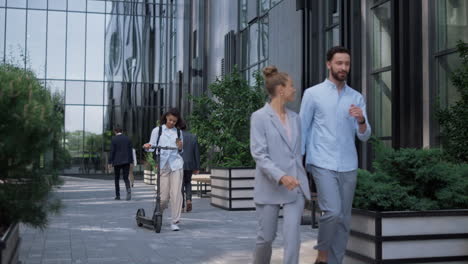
{"x":202,"y":183}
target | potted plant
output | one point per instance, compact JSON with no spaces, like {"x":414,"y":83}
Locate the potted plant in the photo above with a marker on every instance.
{"x":221,"y":120}
{"x":150,"y":169}
{"x":31,"y":132}
{"x":413,"y":208}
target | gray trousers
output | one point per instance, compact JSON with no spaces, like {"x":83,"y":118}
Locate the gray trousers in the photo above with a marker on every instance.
{"x":335,"y":192}
{"x":267,"y":215}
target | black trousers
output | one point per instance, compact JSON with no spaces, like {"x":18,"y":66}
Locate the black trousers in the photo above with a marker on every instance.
{"x":187,"y":187}
{"x":125,"y":168}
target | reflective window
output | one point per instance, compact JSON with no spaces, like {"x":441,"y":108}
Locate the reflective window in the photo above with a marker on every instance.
{"x":95,"y":47}
{"x":446,"y":91}
{"x":56,"y":45}
{"x":383,"y":104}
{"x":74,"y":133}
{"x":452,"y":23}
{"x":40,"y":4}
{"x":333,"y":15}
{"x":75,"y":92}
{"x":77,"y":5}
{"x":2,"y":3}
{"x":96,"y":6}
{"x":76,"y":46}
{"x":264,"y":6}
{"x":93,"y":119}
{"x":332,"y":37}
{"x":56,"y":87}
{"x":253,"y":43}
{"x":94,"y":93}
{"x":243,"y":14}
{"x":15,"y":37}
{"x":36,"y":42}
{"x":263,"y":39}
{"x":16,"y":3}
{"x":382,"y":28}
{"x":57,"y":4}
{"x":274,"y":2}
{"x":2,"y":32}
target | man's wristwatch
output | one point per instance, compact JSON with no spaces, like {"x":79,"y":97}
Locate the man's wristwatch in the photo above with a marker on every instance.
{"x":363,"y":121}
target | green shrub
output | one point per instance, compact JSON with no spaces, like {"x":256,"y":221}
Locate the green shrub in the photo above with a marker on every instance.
{"x":222,"y":121}
{"x":31,"y":129}
{"x":412,"y":179}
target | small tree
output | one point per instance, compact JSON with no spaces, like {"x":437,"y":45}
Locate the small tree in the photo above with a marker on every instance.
{"x":454,"y":120}
{"x":31,"y":129}
{"x":222,"y":121}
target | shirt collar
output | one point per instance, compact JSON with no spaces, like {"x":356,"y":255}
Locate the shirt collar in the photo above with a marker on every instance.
{"x":331,"y":84}
{"x":166,"y":128}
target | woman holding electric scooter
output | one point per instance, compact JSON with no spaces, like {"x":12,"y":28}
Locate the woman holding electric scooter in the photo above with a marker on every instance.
{"x":171,"y":162}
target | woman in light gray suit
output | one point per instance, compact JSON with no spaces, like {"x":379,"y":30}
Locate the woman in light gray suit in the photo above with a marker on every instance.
{"x":280,"y":178}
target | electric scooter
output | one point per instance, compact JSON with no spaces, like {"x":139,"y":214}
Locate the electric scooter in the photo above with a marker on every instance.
{"x":155,"y":221}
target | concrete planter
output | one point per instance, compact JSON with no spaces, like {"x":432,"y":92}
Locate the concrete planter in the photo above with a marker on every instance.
{"x":408,"y":237}
{"x":9,"y":245}
{"x":149,"y":177}
{"x":232,"y":188}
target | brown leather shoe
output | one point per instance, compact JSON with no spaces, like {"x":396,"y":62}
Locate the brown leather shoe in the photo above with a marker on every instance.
{"x":189,"y":206}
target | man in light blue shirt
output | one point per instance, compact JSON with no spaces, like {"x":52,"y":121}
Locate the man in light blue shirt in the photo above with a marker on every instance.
{"x":332,"y":115}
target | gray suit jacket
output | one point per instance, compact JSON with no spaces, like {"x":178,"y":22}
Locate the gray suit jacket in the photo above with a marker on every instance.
{"x":191,"y":153}
{"x":276,"y":156}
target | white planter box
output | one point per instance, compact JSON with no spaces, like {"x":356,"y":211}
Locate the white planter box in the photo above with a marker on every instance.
{"x":149,"y":177}
{"x":9,"y":245}
{"x":232,"y":188}
{"x":408,"y":237}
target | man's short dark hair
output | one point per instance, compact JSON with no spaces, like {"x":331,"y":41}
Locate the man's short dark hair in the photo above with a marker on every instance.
{"x":117,"y":130}
{"x":337,"y":49}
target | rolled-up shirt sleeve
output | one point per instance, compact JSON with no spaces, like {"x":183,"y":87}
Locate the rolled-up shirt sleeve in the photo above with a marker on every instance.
{"x":366,"y":135}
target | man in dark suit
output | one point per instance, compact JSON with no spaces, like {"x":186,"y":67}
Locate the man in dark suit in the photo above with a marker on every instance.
{"x":121,"y":157}
{"x":191,"y":156}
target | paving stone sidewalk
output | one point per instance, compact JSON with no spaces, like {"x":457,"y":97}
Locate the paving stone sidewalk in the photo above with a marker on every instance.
{"x":93,"y":228}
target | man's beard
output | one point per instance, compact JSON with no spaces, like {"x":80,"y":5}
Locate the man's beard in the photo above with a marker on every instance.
{"x":337,"y":76}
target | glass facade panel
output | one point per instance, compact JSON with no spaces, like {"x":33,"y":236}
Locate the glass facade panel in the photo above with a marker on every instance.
{"x":382,"y":35}
{"x":40,"y":4}
{"x":96,"y":6}
{"x":2,"y":32}
{"x":274,"y":2}
{"x":36,"y":42}
{"x":244,"y":35}
{"x":382,"y":101}
{"x":94,"y":93}
{"x":253,"y":43}
{"x":58,"y":4}
{"x":76,"y":46}
{"x":447,"y":92}
{"x":56,"y":45}
{"x":333,"y":15}
{"x":16,"y":3}
{"x":75,"y":92}
{"x":263,"y":39}
{"x":56,"y":87}
{"x":74,"y":136}
{"x":77,"y":5}
{"x":264,"y":6}
{"x":332,"y":37}
{"x":2,"y":3}
{"x":15,"y":37}
{"x":243,"y":14}
{"x":95,"y":47}
{"x":452,"y":23}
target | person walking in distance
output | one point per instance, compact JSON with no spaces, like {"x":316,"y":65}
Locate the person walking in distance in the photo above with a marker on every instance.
{"x":191,"y":156}
{"x":121,"y":157}
{"x":280,"y":178}
{"x":332,"y":115}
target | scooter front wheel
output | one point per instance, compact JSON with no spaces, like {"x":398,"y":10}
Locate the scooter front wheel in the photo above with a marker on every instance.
{"x":140,"y":213}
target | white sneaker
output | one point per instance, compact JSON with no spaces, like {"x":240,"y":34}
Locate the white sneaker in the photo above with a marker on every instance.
{"x":174,"y":227}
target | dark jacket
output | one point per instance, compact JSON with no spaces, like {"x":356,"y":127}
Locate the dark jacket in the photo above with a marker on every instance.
{"x":191,"y":154}
{"x":121,"y":150}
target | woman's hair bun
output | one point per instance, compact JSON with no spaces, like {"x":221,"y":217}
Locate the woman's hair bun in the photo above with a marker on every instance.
{"x":269,"y":71}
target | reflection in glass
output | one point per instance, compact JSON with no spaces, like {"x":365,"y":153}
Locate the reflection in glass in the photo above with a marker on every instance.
{"x":253,"y":43}
{"x":93,"y":119}
{"x":56,"y":87}
{"x":56,"y":45}
{"x":263,"y":39}
{"x":76,"y":46}
{"x":77,"y":5}
{"x":243,"y":14}
{"x":93,"y":93}
{"x":40,"y":4}
{"x":452,"y":23}
{"x":74,"y":136}
{"x":332,"y":37}
{"x":333,"y":16}
{"x":16,"y":3}
{"x":75,"y":92}
{"x":264,"y":6}
{"x":95,"y":47}
{"x":274,"y":2}
{"x":58,"y":4}
{"x":2,"y":3}
{"x":382,"y":36}
{"x":382,"y":101}
{"x":36,"y":42}
{"x":2,"y":32}
{"x":15,"y":37}
{"x":447,"y":92}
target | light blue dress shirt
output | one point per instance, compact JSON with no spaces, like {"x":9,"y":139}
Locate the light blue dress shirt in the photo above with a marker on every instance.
{"x":168,"y":139}
{"x":328,"y":131}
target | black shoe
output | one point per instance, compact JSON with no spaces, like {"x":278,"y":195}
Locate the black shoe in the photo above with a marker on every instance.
{"x":117,"y":198}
